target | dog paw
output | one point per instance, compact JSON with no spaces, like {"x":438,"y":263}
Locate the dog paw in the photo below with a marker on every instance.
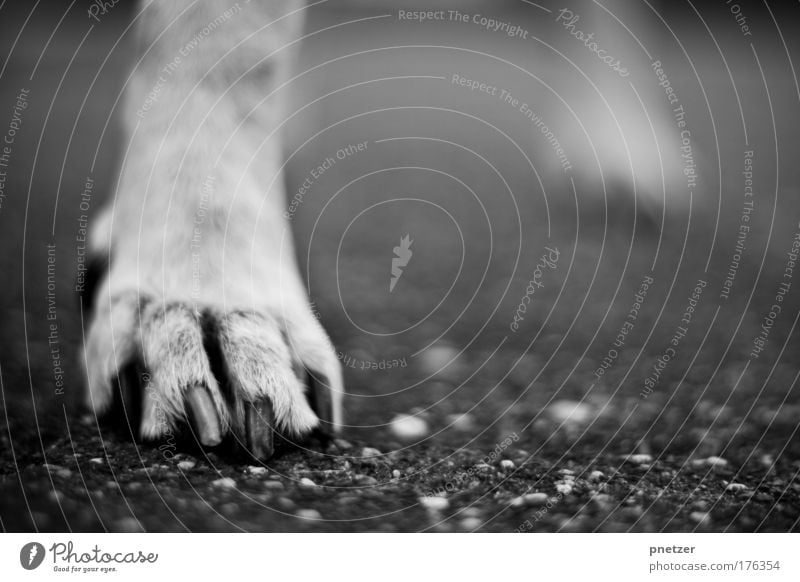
{"x":240,"y":374}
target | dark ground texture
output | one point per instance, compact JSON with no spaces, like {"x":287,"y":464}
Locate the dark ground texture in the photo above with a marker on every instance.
{"x":713,"y":447}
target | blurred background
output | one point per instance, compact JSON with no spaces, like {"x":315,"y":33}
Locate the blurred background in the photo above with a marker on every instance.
{"x":484,"y":192}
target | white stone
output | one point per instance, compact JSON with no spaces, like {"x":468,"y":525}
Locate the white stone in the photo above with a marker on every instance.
{"x":564,"y":487}
{"x":464,"y":422}
{"x":507,"y":464}
{"x":471,"y":523}
{"x":370,"y":453}
{"x":529,"y":499}
{"x":307,"y":483}
{"x":407,"y":427}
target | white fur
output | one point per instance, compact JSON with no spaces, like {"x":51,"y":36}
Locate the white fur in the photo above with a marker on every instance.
{"x":173,"y":352}
{"x":258,"y":363}
{"x":197,"y":223}
{"x":110,"y":344}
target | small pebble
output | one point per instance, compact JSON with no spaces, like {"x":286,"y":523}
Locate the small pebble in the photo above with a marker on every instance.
{"x":307,"y":483}
{"x":736,"y":487}
{"x":596,"y":476}
{"x":603,"y":500}
{"x":273,"y":485}
{"x":639,"y":458}
{"x":715,"y":462}
{"x":96,"y":460}
{"x":224,"y":483}
{"x":308,"y":514}
{"x":507,"y":464}
{"x":64,"y":473}
{"x":530,"y":499}
{"x":366,"y":480}
{"x":396,"y":474}
{"x":434,"y":503}
{"x":440,"y":360}
{"x":186,"y":465}
{"x":286,"y":503}
{"x":409,"y":428}
{"x":256,"y":470}
{"x":463,"y":422}
{"x":471,"y":523}
{"x":701,"y":517}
